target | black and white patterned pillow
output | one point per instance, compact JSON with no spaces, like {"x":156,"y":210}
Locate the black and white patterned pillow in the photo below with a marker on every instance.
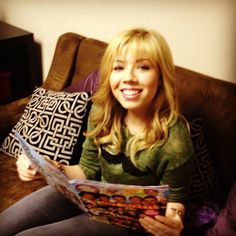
{"x":205,"y":180}
{"x":52,"y":122}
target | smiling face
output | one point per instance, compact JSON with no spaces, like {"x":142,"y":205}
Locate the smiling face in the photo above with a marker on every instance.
{"x":134,"y":81}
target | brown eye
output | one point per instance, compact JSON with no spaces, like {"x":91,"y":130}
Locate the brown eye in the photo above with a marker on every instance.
{"x":144,"y":67}
{"x":118,"y":68}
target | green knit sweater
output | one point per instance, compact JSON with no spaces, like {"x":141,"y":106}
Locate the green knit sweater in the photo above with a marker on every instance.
{"x":169,"y":164}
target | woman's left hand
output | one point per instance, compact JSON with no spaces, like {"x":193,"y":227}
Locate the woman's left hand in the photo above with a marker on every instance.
{"x":162,"y":225}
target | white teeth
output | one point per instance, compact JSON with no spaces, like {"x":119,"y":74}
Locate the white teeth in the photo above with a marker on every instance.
{"x":130,"y":92}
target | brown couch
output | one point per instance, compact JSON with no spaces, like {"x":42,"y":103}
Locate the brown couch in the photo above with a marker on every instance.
{"x":201,"y":96}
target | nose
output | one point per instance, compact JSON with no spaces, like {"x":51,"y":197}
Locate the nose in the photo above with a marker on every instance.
{"x":129,"y":75}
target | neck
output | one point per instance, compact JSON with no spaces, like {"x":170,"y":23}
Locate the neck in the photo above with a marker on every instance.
{"x":136,"y":123}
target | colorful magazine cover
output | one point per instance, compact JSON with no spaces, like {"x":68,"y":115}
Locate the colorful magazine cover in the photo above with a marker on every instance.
{"x":116,"y":204}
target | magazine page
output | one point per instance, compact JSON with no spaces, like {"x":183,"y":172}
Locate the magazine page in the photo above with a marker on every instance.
{"x":121,"y":205}
{"x":51,"y":174}
{"x":117,"y":204}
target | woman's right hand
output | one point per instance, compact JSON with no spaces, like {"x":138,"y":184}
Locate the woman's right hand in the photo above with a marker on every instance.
{"x":25,"y":170}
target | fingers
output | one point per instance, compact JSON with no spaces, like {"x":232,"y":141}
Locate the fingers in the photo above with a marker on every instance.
{"x":25,"y":170}
{"x":170,"y":222}
{"x":175,"y":210}
{"x":161,"y":226}
{"x":23,"y":161}
{"x":28,"y":176}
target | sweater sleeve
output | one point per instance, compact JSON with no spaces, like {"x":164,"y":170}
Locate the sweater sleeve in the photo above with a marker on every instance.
{"x":89,"y":160}
{"x":178,"y":153}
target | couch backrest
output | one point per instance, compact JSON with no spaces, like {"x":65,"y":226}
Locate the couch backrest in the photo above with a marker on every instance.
{"x":200,"y":96}
{"x":214,"y":101}
{"x":88,"y":58}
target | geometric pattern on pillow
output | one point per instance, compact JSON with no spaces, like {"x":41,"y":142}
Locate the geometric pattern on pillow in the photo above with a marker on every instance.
{"x":53,"y":123}
{"x":204,"y":180}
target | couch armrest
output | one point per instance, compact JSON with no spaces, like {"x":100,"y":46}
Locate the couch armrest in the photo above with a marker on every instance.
{"x":10,"y":114}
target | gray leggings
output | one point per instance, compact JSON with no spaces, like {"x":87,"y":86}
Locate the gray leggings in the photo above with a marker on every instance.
{"x":47,"y":212}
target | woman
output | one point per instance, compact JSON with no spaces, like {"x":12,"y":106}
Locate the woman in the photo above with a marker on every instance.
{"x":135,"y":136}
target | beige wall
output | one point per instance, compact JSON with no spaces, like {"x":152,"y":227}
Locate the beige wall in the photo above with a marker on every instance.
{"x":201,"y":33}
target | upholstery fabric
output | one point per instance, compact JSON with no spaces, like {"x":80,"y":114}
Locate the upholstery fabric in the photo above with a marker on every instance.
{"x":88,"y":58}
{"x":212,"y":100}
{"x":53,"y":122}
{"x":226,"y":221}
{"x":205,"y":179}
{"x":87,"y":84}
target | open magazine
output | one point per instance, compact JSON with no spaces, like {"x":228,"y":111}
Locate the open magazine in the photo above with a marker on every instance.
{"x":116,"y":204}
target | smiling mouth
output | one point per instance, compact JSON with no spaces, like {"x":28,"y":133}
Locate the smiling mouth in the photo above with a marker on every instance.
{"x":131,"y":93}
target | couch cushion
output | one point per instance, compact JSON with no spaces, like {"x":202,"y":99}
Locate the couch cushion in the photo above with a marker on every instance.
{"x":226,"y":221}
{"x":87,"y":84}
{"x":214,"y":101}
{"x":52,"y":122}
{"x":205,"y":180}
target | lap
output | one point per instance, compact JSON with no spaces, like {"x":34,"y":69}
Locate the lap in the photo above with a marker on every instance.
{"x":41,"y":207}
{"x":75,"y":226}
{"x":47,"y":212}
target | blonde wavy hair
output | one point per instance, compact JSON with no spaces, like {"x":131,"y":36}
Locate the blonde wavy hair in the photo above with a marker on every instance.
{"x":108,"y":117}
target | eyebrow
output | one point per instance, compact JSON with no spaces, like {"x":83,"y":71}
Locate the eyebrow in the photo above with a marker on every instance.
{"x":138,"y":60}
